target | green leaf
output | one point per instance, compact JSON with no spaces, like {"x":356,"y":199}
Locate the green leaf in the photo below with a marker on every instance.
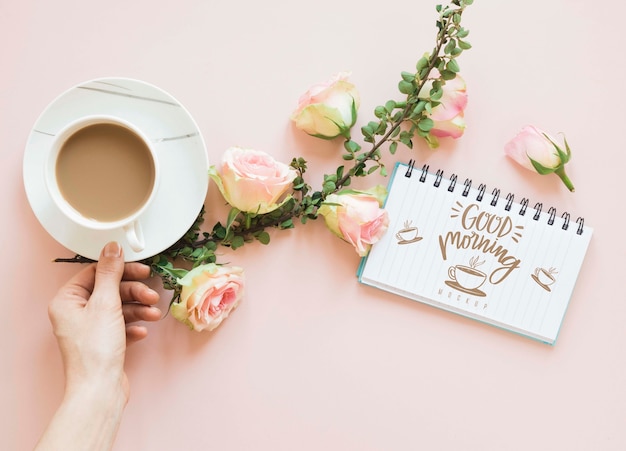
{"x":351,"y":146}
{"x":407,"y":76}
{"x":393,"y":147}
{"x":397,"y":117}
{"x":425,"y":124}
{"x":232,"y":215}
{"x":449,"y":46}
{"x":329,"y":187}
{"x":367,"y":131}
{"x":453,"y":66}
{"x":447,"y":75}
{"x":168,"y":269}
{"x":422,"y":133}
{"x":219,"y":231}
{"x":406,"y":139}
{"x":422,"y":63}
{"x":568,"y":151}
{"x":390,"y":105}
{"x":436,"y":94}
{"x":419,"y":107}
{"x":237,"y":242}
{"x":462,"y":33}
{"x":464,"y":45}
{"x":564,"y":156}
{"x":441,"y":65}
{"x":540,"y":168}
{"x":263,"y":237}
{"x":288,"y":224}
{"x":405,"y":87}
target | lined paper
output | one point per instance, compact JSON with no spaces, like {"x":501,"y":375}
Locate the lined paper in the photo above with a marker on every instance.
{"x":447,"y":248}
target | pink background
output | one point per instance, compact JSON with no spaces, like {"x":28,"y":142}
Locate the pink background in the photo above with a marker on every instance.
{"x":312,"y":359}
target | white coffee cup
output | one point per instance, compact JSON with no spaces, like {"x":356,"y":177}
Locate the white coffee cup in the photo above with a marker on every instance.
{"x":102,"y":173}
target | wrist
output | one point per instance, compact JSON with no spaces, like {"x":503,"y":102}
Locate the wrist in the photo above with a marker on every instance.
{"x":104,"y":394}
{"x":88,"y":417}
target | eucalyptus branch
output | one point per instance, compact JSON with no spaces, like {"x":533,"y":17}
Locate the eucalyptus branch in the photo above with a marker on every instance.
{"x":449,"y":45}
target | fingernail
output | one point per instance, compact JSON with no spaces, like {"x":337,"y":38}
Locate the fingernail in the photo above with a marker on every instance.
{"x":112,"y":249}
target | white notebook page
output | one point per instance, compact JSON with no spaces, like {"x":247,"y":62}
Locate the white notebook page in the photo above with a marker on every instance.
{"x":479,"y":260}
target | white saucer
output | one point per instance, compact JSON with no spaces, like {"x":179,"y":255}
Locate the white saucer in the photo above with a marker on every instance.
{"x":177,"y":142}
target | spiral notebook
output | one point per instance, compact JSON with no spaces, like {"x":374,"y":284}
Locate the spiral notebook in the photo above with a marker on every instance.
{"x":480,"y":254}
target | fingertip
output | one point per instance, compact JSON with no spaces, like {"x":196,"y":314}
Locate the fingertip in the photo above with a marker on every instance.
{"x":155,"y":314}
{"x":109,"y":271}
{"x":112,"y":249}
{"x":135,"y":333}
{"x":152,"y":296}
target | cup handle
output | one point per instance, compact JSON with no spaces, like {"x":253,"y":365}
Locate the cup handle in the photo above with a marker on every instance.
{"x":452,"y":273}
{"x":134,"y":236}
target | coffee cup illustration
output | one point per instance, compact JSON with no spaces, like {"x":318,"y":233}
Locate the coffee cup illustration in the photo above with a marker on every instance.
{"x":544,"y":277}
{"x":408,"y":234}
{"x":467,"y":277}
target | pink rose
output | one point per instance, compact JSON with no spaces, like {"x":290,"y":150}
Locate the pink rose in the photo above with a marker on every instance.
{"x":357,"y":217}
{"x":539,"y":152}
{"x":448,"y":116}
{"x":329,"y":109}
{"x":209,"y":293}
{"x":252,"y":181}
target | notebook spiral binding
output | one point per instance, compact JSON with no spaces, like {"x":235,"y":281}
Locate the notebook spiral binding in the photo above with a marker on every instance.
{"x":495,"y":197}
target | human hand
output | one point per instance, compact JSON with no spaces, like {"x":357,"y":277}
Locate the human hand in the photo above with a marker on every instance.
{"x":93,"y":318}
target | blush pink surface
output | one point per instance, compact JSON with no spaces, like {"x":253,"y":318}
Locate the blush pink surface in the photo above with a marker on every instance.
{"x":311,"y":359}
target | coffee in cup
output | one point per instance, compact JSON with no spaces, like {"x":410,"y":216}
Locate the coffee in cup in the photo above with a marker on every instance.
{"x":102,"y":174}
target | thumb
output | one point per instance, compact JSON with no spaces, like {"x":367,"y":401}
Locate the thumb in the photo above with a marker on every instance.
{"x":109,"y":270}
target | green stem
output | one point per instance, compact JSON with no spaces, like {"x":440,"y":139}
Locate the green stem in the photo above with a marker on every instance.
{"x":563,"y":176}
